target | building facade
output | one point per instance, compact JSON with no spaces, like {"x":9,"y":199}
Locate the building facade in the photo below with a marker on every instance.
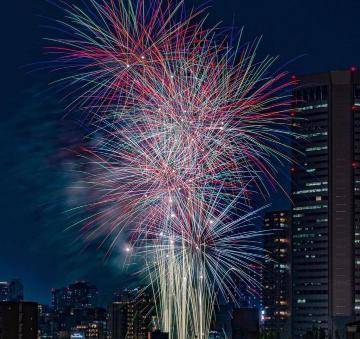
{"x":80,"y":294}
{"x":276,"y":282}
{"x":326,"y":210}
{"x":131,"y":314}
{"x":18,"y":320}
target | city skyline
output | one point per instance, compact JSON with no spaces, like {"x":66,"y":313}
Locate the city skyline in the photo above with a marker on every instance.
{"x":320,"y":47}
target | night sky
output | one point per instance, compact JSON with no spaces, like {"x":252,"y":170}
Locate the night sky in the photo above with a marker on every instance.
{"x":314,"y":36}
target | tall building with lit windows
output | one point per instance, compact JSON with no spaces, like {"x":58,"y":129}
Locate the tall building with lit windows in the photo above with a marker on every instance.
{"x":276,"y":298}
{"x":326,"y":197}
{"x":132,"y":314}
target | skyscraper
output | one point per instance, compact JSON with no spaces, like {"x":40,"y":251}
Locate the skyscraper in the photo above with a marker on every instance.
{"x":326,"y":211}
{"x":277,"y":273}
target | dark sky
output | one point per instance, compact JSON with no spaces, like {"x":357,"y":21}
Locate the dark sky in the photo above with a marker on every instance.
{"x":33,"y":245}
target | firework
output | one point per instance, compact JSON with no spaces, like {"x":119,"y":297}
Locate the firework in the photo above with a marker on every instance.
{"x":185,"y":130}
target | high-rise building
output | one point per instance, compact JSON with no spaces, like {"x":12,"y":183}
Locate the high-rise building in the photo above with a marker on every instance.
{"x":276,"y":282}
{"x":11,"y":290}
{"x":326,"y":197}
{"x":131,"y":314}
{"x":18,"y":320}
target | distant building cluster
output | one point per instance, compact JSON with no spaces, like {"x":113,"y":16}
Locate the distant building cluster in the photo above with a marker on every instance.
{"x":74,"y":313}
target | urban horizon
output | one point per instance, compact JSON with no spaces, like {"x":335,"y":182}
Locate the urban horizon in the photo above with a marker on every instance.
{"x":167,"y":176}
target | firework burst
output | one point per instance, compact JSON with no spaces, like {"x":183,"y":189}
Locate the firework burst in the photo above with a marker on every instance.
{"x":186,"y":129}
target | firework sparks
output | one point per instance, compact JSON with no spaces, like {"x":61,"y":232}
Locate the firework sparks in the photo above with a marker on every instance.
{"x":186,"y":129}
